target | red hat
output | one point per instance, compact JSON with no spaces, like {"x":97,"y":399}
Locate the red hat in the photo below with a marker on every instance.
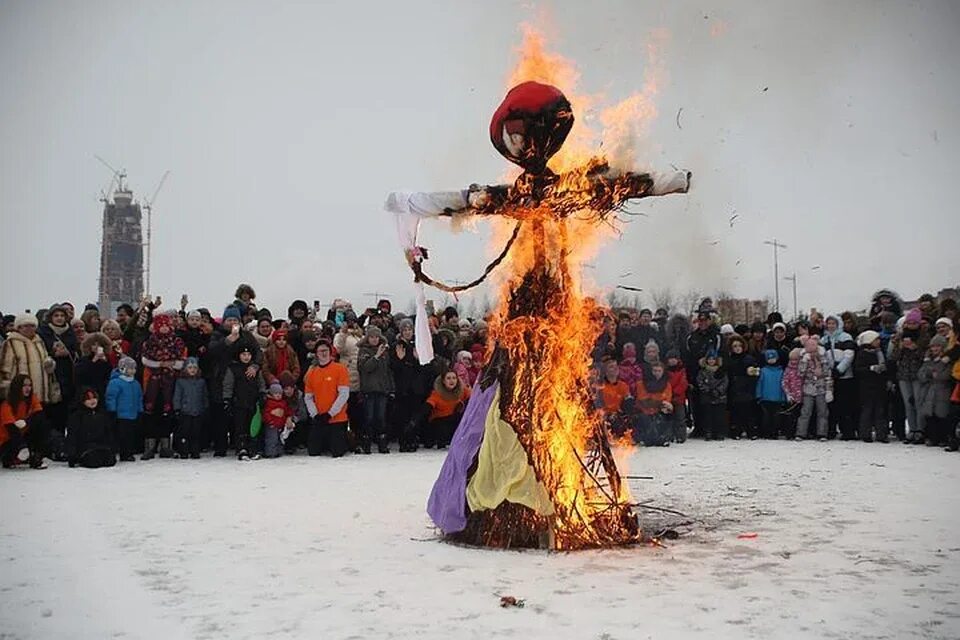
{"x":277,"y":334}
{"x":539,"y":112}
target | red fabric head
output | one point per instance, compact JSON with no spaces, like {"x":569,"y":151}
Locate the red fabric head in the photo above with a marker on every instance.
{"x":538,"y":112}
{"x":162,"y":320}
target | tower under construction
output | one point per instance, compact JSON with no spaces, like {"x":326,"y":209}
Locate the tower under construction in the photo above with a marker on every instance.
{"x":121,"y":253}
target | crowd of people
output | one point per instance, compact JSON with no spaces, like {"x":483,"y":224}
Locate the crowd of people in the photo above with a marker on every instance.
{"x":888,"y":371}
{"x":89,"y":390}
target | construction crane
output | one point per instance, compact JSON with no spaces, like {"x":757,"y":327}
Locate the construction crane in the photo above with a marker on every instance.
{"x":119,"y":176}
{"x":148,"y":205}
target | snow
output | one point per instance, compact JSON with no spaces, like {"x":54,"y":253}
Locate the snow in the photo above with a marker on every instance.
{"x":853,"y":541}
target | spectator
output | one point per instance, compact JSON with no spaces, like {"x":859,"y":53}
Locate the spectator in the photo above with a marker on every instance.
{"x":870,"y":372}
{"x":61,"y":343}
{"x":712,"y":395}
{"x":936,"y":385}
{"x":815,"y":371}
{"x":241,"y":396}
{"x":279,"y":357}
{"x":277,"y":421}
{"x":93,"y":368}
{"x":326,"y":388}
{"x":124,"y":402}
{"x":443,"y":408}
{"x":770,"y":394}
{"x":677,"y":376}
{"x":376,"y":382}
{"x":23,"y":352}
{"x":742,"y":371}
{"x":190,"y":403}
{"x":90,"y":438}
{"x":653,"y":396}
{"x":23,"y":434}
{"x":843,"y":410}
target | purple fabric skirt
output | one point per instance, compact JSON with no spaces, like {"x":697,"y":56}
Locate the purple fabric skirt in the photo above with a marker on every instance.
{"x":447,"y":505}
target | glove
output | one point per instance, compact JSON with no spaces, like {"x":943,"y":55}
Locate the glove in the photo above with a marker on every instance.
{"x":322,"y":418}
{"x":227,"y":407}
{"x":20,"y":424}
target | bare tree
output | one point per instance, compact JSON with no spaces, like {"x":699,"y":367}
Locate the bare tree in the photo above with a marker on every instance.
{"x":687,"y":301}
{"x":662,"y":298}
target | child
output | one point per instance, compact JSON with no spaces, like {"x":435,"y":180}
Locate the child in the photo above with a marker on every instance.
{"x":936,"y":385}
{"x":124,"y":401}
{"x":653,"y":396}
{"x":677,"y":374}
{"x":443,"y":408}
{"x":277,"y":421}
{"x":612,"y":395}
{"x":630,"y":371}
{"x":793,"y":390}
{"x":816,"y":372}
{"x":743,"y":372}
{"x":22,"y":426}
{"x":770,"y":395}
{"x":301,"y":419}
{"x":190,"y":402}
{"x":162,"y":356}
{"x":712,"y":386}
{"x":90,"y":434}
{"x":870,"y":372}
{"x":240,"y":397}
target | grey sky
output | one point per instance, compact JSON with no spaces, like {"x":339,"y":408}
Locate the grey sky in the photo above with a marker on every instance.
{"x":285,"y":125}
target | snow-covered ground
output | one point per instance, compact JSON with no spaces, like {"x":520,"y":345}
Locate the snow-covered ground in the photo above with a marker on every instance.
{"x":853,"y":541}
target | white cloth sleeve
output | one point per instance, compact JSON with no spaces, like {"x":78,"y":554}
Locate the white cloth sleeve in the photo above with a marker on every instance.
{"x":311,"y":405}
{"x":670,"y":182}
{"x":343,"y":394}
{"x":409,"y":207}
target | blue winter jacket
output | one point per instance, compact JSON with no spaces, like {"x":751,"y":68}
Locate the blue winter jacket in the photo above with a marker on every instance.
{"x":770,"y":384}
{"x":124,"y":397}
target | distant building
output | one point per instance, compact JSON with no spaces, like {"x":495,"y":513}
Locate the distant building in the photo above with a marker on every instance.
{"x":742,"y":310}
{"x":121,"y":253}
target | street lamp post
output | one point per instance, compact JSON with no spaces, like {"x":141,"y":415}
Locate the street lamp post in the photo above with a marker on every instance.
{"x":793,"y":279}
{"x":776,"y":270}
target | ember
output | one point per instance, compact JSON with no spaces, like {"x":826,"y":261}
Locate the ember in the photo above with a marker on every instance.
{"x":531,"y":463}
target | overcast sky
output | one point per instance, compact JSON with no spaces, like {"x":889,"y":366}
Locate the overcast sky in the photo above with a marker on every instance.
{"x":831,"y":126}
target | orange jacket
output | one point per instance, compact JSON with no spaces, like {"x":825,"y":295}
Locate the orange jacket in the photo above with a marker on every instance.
{"x":613,"y":395}
{"x":441,"y":407}
{"x":23,"y":412}
{"x":648,"y":402}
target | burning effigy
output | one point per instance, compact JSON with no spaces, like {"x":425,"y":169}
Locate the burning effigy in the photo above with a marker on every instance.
{"x":531,"y":465}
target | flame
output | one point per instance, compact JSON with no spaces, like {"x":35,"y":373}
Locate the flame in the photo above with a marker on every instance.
{"x":548,"y":395}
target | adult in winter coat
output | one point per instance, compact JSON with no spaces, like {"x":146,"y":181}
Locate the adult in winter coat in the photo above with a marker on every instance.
{"x":409,"y":383}
{"x":90,"y":438}
{"x":884,"y":300}
{"x":225,"y":343}
{"x":440,"y":415}
{"x":907,"y":354}
{"x":326,"y":390}
{"x":346,"y":342}
{"x":61,"y":344}
{"x":779,"y":341}
{"x":376,"y":381}
{"x":843,"y":409}
{"x":93,"y":368}
{"x":23,"y":352}
{"x":870,"y":374}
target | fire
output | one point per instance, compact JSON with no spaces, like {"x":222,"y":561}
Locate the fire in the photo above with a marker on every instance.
{"x":547,"y":396}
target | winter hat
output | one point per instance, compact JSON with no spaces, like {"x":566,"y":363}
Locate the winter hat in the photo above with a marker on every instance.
{"x":244,"y":349}
{"x":770,"y":354}
{"x":726,"y":330}
{"x":758,"y":327}
{"x":373,"y":331}
{"x":287,"y":379}
{"x":712,"y":354}
{"x":913,"y":316}
{"x":191,"y":361}
{"x":24,"y":320}
{"x":406,"y":322}
{"x":742,"y":329}
{"x":465,"y":324}
{"x":278,"y":333}
{"x":231,"y":312}
{"x":464,"y":355}
{"x":867,"y":337}
{"x":126,"y":362}
{"x":673,"y":352}
{"x":194,"y":314}
{"x":938,"y":341}
{"x":275,"y":387}
{"x":91,"y":307}
{"x":944,"y":320}
{"x":308,"y":336}
{"x":778,"y":325}
{"x":630,"y":350}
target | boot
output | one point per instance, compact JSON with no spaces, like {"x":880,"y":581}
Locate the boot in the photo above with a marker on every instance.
{"x":149,"y":449}
{"x":165,"y":451}
{"x":382,"y":445}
